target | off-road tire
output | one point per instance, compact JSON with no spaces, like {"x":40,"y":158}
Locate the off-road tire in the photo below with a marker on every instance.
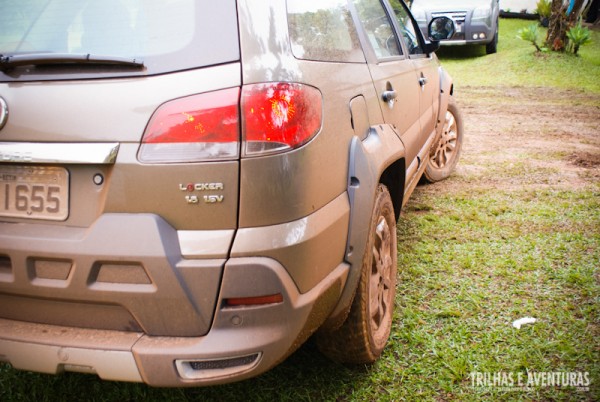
{"x":447,"y":150}
{"x":364,"y":334}
{"x":492,"y":47}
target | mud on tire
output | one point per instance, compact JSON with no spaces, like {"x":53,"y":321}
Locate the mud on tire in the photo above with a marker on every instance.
{"x":447,"y":150}
{"x":364,"y":334}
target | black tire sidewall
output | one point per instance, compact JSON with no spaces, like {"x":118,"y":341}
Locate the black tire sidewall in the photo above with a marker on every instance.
{"x":492,"y":47}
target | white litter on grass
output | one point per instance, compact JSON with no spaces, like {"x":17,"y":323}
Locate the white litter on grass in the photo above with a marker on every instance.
{"x":521,"y":321}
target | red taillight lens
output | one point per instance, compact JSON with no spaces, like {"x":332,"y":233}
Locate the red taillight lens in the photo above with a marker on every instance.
{"x":279,"y":116}
{"x":192,"y":129}
{"x":276,"y":117}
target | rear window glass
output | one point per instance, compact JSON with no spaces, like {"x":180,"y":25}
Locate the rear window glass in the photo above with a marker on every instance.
{"x":166,"y":35}
{"x":323,"y":31}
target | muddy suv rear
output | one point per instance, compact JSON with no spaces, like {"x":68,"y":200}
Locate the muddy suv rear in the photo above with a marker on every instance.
{"x":190,"y":189}
{"x":120,"y":192}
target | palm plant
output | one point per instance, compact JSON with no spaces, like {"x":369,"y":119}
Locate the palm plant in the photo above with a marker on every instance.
{"x":530,"y":34}
{"x":578,"y":36}
{"x":544,"y":9}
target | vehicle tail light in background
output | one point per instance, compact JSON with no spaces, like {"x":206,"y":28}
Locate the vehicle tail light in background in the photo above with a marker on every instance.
{"x":192,"y":129}
{"x":277,"y":117}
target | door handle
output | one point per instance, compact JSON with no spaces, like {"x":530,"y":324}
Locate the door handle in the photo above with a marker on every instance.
{"x":423,"y":80}
{"x":389,"y":96}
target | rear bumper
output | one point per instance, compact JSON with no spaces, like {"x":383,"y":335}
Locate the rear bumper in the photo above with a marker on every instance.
{"x":132,"y":299}
{"x":464,"y":42}
{"x":243,"y":341}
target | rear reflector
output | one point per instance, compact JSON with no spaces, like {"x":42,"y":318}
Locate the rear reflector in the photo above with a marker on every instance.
{"x":253,"y":301}
{"x":194,"y":129}
{"x":279,"y":116}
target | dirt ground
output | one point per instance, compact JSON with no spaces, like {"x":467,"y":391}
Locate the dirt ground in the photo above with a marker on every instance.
{"x":534,"y":137}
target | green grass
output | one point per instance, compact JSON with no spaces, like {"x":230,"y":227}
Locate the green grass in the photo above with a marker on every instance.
{"x":517,"y":63}
{"x":486,"y":258}
{"x":471,"y":261}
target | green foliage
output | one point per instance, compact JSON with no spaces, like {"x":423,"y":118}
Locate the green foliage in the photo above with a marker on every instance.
{"x":578,"y":36}
{"x":515,"y":64}
{"x":544,"y":8}
{"x":530,"y":34}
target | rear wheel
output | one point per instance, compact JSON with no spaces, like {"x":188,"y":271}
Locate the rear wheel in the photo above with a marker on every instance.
{"x":365,"y":332}
{"x":447,"y":152}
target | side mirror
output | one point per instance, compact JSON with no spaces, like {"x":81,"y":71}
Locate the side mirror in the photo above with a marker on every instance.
{"x":440,"y":28}
{"x":431,"y":46}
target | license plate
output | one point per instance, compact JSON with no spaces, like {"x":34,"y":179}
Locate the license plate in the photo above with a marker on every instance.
{"x":34,"y":192}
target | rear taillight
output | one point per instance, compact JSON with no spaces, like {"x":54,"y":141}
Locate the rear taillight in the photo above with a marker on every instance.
{"x":193,"y":129}
{"x":279,"y":116}
{"x":276,"y":117}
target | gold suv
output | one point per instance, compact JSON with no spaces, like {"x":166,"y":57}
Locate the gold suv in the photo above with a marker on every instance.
{"x":189,"y":189}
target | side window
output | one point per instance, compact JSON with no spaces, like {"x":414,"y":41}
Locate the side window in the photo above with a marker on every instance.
{"x":323,"y":31}
{"x":408,"y":30}
{"x":378,"y":28}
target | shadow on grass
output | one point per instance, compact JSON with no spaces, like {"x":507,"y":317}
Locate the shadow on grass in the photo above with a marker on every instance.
{"x":306,"y":375}
{"x":461,"y":52}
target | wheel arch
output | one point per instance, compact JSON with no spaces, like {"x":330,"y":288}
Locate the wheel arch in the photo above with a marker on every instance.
{"x":393,"y":177}
{"x":446,"y":91}
{"x":379,"y":158}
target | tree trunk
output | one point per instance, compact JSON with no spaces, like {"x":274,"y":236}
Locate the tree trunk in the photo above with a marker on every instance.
{"x":560,"y":23}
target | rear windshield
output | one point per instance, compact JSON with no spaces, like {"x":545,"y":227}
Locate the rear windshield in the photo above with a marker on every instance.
{"x":166,"y":35}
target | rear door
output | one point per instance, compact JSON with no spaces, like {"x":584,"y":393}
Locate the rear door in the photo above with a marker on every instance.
{"x":393,"y":73}
{"x":426,"y":68}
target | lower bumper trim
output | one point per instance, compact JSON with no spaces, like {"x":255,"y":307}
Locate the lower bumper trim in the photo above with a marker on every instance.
{"x":107,"y":364}
{"x":198,"y":369}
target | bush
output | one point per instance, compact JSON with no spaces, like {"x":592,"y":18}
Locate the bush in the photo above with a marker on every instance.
{"x":544,"y":8}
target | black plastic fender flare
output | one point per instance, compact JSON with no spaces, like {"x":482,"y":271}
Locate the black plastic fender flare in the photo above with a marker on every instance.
{"x":367,"y":162}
